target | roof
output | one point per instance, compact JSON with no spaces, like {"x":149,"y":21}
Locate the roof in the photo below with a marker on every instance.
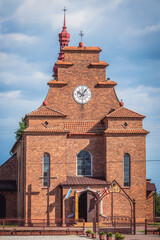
{"x":59,"y":62}
{"x":100,"y":63}
{"x":84,"y":126}
{"x":45,"y":129}
{"x":46,"y":111}
{"x":84,"y":49}
{"x":56,"y":83}
{"x":150,"y":186}
{"x":82,"y":180}
{"x":8,"y":185}
{"x":108,"y":82}
{"x":123,"y":112}
{"x":126,"y":131}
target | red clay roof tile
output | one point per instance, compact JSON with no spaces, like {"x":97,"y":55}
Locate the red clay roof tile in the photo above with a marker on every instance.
{"x":82,"y":180}
{"x":45,"y":111}
{"x":123,"y":112}
{"x":126,"y":131}
{"x":46,"y":129}
{"x":150,"y":186}
{"x":69,"y":48}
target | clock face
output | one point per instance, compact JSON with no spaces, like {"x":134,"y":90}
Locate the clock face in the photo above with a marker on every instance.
{"x":82,"y":94}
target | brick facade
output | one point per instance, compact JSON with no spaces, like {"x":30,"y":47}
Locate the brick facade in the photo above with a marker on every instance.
{"x":97,"y":127}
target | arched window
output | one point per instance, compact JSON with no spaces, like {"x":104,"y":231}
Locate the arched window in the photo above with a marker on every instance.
{"x":46,"y":167}
{"x":126,"y":170}
{"x":84,"y":166}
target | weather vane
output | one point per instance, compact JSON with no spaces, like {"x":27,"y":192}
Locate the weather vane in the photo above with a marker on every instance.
{"x":81,"y":34}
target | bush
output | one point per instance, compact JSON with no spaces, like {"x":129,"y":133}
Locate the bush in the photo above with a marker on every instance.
{"x":110,"y":234}
{"x":88,"y":231}
{"x":93,"y":233}
{"x":119,"y":236}
{"x":158,"y":229}
{"x":101,"y":233}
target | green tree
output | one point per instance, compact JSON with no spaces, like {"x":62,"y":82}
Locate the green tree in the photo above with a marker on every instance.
{"x":157,"y":203}
{"x":22,"y":127}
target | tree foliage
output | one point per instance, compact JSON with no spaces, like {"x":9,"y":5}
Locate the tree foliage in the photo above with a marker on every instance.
{"x":157,"y":203}
{"x":22,"y":127}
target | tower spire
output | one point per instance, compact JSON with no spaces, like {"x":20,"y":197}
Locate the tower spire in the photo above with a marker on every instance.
{"x":63,"y":37}
{"x":64,"y":24}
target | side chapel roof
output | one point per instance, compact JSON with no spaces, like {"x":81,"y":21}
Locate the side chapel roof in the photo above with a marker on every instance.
{"x":123,"y":112}
{"x":45,"y":111}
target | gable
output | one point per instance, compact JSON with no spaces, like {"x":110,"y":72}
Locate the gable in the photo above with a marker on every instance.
{"x":123,"y":112}
{"x":45,"y":112}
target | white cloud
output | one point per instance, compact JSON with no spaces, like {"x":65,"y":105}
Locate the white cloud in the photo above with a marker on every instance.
{"x":10,"y":95}
{"x":16,"y":105}
{"x":135,"y":31}
{"x":15,"y":70}
{"x":141,"y":99}
{"x":13,"y":40}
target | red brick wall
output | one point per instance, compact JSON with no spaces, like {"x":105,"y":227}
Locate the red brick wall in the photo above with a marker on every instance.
{"x":149,"y":205}
{"x":8,"y":170}
{"x":116,"y":147}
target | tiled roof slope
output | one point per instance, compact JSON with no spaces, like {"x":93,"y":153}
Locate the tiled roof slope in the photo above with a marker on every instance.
{"x":150,"y":186}
{"x":123,"y":112}
{"x":50,"y":130}
{"x":72,"y":180}
{"x":84,"y":126}
{"x":45,"y":111}
{"x":126,"y":131}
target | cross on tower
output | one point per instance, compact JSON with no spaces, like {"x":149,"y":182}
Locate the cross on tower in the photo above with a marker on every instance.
{"x":30,"y":193}
{"x":48,"y":186}
{"x":81,"y":34}
{"x":64,"y":9}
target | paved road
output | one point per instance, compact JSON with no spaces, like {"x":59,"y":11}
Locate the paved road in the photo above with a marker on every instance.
{"x":128,"y":237}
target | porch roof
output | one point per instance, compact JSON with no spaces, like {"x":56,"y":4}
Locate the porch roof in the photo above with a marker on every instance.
{"x":82,"y":180}
{"x":8,"y":185}
{"x":150,"y":186}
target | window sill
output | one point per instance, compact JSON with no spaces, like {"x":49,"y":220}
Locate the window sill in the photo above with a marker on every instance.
{"x":43,"y":187}
{"x":126,"y":187}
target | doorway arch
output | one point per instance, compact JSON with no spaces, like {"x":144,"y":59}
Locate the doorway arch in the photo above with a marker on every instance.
{"x":2,"y":206}
{"x":86,"y":206}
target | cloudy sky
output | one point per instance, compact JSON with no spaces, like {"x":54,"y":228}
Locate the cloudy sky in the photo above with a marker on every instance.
{"x":128,"y":31}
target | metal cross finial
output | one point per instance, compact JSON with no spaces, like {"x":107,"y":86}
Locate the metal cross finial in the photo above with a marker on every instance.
{"x":81,"y":34}
{"x":64,"y":9}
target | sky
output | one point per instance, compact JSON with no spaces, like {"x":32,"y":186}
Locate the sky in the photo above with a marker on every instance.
{"x":127,"y":31}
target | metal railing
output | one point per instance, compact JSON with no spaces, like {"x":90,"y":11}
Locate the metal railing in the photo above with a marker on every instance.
{"x":41,"y":225}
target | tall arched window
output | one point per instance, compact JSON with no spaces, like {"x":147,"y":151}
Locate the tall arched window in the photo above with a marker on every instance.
{"x":84,"y":166}
{"x":46,"y":167}
{"x":126,"y":170}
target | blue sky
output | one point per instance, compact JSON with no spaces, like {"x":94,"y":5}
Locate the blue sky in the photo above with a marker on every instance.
{"x":128,"y":32}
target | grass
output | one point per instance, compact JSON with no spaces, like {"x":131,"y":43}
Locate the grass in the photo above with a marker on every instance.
{"x":154,"y":224}
{"x":8,"y":225}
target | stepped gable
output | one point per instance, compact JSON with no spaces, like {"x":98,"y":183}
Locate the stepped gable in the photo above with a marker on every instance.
{"x":45,"y":112}
{"x":123,"y":112}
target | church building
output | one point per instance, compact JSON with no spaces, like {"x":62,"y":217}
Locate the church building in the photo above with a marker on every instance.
{"x":75,"y":145}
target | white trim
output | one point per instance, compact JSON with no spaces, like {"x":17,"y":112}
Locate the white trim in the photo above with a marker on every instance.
{"x":91,"y":165}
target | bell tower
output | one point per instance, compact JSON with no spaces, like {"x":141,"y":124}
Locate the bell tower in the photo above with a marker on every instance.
{"x":64,"y":38}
